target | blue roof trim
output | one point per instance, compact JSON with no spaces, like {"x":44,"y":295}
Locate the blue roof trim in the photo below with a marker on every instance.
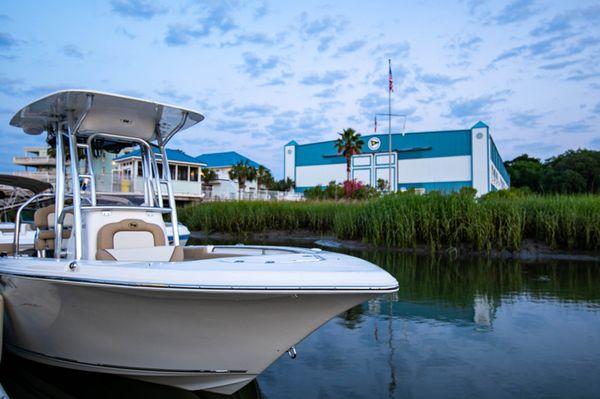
{"x":224,"y":159}
{"x":173,"y":155}
{"x":479,"y":125}
{"x":409,"y":146}
{"x":292,"y":142}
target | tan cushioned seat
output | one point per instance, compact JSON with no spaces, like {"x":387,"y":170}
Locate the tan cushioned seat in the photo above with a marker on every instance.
{"x":135,"y":240}
{"x":43,"y":220}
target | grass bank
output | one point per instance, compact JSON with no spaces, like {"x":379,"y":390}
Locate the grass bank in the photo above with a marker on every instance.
{"x":407,"y":220}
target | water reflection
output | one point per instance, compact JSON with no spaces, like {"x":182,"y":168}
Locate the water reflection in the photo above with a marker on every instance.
{"x":459,"y":328}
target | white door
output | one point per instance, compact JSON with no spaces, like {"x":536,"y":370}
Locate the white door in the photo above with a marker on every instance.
{"x":362,"y":168}
{"x":382,"y":165}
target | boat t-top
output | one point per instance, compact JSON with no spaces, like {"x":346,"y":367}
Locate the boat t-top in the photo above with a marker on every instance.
{"x":106,"y":291}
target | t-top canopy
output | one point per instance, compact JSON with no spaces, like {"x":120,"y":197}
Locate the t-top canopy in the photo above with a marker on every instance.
{"x":108,"y":113}
{"x":35,"y":186}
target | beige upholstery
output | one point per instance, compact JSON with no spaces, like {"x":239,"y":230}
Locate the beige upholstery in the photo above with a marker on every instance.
{"x":43,"y":220}
{"x":135,"y":240}
{"x":6,"y":248}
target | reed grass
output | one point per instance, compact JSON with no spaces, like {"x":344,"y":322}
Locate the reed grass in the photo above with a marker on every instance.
{"x":407,"y":220}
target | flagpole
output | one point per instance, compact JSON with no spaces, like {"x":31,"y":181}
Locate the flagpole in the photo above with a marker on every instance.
{"x":390,"y":128}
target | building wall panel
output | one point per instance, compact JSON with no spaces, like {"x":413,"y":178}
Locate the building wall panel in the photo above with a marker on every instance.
{"x":310,"y":176}
{"x":428,"y":170}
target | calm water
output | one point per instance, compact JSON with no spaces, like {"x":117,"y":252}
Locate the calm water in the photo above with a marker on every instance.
{"x":456,"y":329}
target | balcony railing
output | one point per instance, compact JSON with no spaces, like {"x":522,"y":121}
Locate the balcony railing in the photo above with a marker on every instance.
{"x":34,"y":160}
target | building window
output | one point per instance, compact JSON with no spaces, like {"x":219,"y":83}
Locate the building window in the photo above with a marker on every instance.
{"x":172,"y":169}
{"x":193,"y":173}
{"x":139,"y":169}
{"x":182,"y":172}
{"x":159,"y":167}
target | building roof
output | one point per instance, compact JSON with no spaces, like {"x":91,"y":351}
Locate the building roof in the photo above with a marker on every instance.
{"x":479,"y":125}
{"x":224,"y":159}
{"x":173,"y":155}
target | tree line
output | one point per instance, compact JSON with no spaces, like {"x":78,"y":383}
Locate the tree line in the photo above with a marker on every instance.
{"x":243,"y":172}
{"x":572,"y":172}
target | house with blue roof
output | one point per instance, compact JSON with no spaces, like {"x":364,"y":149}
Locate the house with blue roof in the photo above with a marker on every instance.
{"x":222,"y":162}
{"x":423,"y":161}
{"x":185,"y":171}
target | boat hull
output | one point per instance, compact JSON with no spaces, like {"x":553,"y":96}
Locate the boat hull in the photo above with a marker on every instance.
{"x":193,"y":339}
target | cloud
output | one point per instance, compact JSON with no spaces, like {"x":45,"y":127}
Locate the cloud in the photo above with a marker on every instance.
{"x":559,"y":65}
{"x":252,"y":38}
{"x":329,"y":92}
{"x":316,"y":27}
{"x":595,"y":143}
{"x":558,"y":24}
{"x":321,"y":29}
{"x":327,"y":78}
{"x":392,"y":50}
{"x":256,"y":66}
{"x":579,"y":75}
{"x":216,"y":18}
{"x":261,"y":10}
{"x":563,"y":22}
{"x":71,"y":50}
{"x":42,"y":90}
{"x":525,"y":119}
{"x":138,"y":9}
{"x":550,"y":48}
{"x":8,"y":86}
{"x":579,"y":126}
{"x":596,"y":109}
{"x":375,"y":102}
{"x":7,"y":41}
{"x":351,"y":47}
{"x":174,"y":96}
{"x":253,"y":110}
{"x":516,"y":11}
{"x":434,"y":79}
{"x":324,"y":43}
{"x":474,"y":108}
{"x":122,"y":31}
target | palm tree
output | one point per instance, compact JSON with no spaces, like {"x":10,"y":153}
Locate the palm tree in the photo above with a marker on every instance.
{"x":242,"y":172}
{"x":263,"y":177}
{"x":350,"y":143}
{"x":208,"y":175}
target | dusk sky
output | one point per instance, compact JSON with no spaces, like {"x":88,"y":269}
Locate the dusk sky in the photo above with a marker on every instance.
{"x":264,"y":73}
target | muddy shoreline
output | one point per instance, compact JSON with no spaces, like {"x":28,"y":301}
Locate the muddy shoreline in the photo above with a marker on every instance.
{"x":531,"y":251}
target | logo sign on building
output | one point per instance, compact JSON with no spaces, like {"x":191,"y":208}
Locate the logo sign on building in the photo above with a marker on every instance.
{"x":374,"y":143}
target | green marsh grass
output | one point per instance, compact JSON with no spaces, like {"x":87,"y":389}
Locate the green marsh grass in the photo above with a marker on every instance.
{"x":407,"y":220}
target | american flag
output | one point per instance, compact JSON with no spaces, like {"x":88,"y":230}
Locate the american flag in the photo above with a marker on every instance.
{"x":390,"y":80}
{"x":375,"y":123}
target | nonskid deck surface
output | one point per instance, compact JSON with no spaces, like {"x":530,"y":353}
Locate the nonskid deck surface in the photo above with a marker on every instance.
{"x":300,"y":270}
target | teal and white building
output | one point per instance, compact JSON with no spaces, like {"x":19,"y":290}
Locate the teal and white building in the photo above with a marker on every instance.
{"x":425,"y":161}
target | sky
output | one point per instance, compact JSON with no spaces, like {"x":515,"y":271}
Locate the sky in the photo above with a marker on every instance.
{"x":267,"y":72}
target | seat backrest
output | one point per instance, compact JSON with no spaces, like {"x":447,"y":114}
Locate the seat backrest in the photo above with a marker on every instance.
{"x":43,"y":218}
{"x":134,"y":240}
{"x":130,"y":233}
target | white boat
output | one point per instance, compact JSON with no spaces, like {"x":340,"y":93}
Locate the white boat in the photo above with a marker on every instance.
{"x":15,"y":191}
{"x":184,"y":232}
{"x":119,"y":299}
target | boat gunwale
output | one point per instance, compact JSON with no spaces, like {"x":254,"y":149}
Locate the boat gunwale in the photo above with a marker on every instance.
{"x":209,"y":288}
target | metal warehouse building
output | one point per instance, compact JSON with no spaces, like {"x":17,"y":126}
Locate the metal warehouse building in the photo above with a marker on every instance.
{"x":424,"y":161}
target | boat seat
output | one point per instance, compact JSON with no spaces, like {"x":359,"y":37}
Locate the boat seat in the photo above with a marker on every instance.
{"x":135,"y":240}
{"x":43,"y":220}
